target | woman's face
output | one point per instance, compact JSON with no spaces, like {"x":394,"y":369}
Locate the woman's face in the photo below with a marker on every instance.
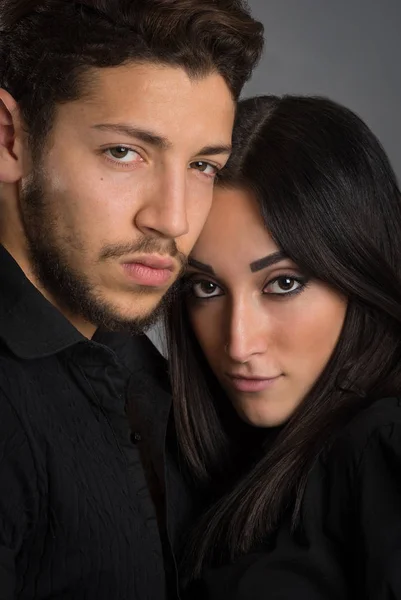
{"x":265,"y":329}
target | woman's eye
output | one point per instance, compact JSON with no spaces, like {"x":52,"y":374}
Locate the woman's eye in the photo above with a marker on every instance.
{"x":205,"y":167}
{"x":284,"y":285}
{"x":205,"y":289}
{"x":122,"y":154}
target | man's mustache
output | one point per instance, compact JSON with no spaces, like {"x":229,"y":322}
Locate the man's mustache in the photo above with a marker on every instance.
{"x":150,"y":245}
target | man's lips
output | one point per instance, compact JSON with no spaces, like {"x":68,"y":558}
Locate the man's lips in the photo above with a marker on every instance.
{"x":153,"y":261}
{"x":149,"y":270}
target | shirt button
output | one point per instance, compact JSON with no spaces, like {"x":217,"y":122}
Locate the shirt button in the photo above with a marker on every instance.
{"x":135,"y":437}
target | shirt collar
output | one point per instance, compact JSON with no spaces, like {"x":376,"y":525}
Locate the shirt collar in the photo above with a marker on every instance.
{"x":30,"y":326}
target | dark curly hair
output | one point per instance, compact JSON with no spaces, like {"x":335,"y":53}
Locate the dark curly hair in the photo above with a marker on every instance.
{"x":48,"y":46}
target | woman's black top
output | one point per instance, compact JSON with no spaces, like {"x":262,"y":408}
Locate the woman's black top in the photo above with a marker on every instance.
{"x":348,"y":545}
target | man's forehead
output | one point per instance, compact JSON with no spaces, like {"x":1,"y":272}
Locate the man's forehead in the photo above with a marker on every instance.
{"x":150,"y":82}
{"x":159,"y":102}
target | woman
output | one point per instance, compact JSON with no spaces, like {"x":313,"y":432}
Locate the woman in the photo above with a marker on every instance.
{"x":286,"y":363}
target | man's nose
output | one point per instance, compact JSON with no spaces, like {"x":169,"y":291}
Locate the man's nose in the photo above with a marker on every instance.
{"x":164,"y":209}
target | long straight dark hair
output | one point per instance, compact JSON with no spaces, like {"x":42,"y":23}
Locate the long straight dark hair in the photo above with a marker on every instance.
{"x":330,"y":200}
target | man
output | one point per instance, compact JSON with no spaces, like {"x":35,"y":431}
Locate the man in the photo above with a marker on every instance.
{"x":115,"y":116}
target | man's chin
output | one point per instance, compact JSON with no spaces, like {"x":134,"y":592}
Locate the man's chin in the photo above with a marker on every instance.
{"x":142,"y":312}
{"x":131,"y":322}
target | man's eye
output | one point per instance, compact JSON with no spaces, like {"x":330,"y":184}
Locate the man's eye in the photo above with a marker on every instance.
{"x":284,"y":285}
{"x":122,"y":154}
{"x":205,"y":167}
{"x":205,"y":289}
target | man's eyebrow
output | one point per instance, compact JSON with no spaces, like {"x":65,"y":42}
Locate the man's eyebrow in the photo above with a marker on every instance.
{"x":149,"y":137}
{"x":213,"y":150}
{"x":200,"y":265}
{"x":152,"y":138}
{"x":267,"y":261}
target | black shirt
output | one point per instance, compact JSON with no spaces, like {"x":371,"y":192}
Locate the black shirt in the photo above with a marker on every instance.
{"x":76,"y":517}
{"x":348,"y":545}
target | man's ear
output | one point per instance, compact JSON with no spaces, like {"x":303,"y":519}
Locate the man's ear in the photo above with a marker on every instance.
{"x":11,"y":144}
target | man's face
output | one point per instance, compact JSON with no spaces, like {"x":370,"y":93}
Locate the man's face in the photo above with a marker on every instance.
{"x":121,"y":189}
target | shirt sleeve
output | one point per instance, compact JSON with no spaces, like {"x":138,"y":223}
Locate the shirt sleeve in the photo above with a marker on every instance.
{"x":289,"y":572}
{"x":18,"y":494}
{"x":351,"y":521}
{"x":378,"y":513}
{"x":291,"y":567}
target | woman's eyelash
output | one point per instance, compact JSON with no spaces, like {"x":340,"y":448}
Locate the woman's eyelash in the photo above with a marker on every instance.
{"x":301,"y":280}
{"x":188,"y":283}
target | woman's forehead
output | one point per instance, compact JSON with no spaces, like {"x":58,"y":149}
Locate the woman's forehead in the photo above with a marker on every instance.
{"x":234,"y":226}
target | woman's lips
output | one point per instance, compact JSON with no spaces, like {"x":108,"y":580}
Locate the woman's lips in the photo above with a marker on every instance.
{"x":249,"y":384}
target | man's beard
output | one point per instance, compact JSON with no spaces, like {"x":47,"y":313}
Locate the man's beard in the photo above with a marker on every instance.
{"x":71,"y":290}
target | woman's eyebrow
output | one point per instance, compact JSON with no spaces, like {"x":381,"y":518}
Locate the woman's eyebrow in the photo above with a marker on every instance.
{"x":200,"y":265}
{"x":267,"y":261}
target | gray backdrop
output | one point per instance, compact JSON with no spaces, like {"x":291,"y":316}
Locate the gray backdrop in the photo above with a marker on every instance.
{"x":349,"y":50}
